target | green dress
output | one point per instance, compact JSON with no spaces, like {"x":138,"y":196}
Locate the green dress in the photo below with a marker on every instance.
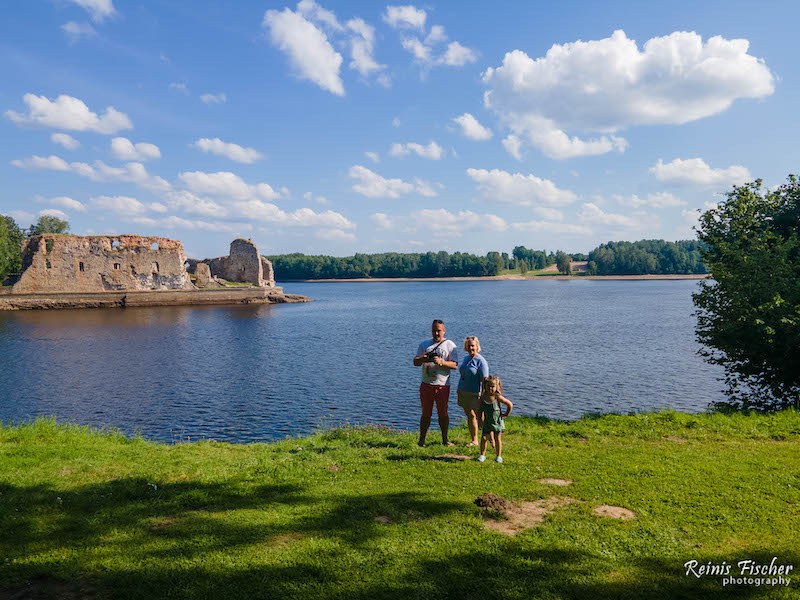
{"x":491,"y":417}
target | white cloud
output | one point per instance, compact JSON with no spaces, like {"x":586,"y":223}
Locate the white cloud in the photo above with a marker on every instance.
{"x":396,"y":122}
{"x":551,"y":214}
{"x":313,"y":11}
{"x":69,"y":113}
{"x":63,"y":139}
{"x":318,"y":199}
{"x":307,"y":47}
{"x":418,"y":50}
{"x":593,"y":214}
{"x":122,"y":205}
{"x":123,"y":149}
{"x":63,"y":202}
{"x":608,"y":85}
{"x":405,"y":17}
{"x":99,"y":10}
{"x":225,"y":184}
{"x":336,"y":235}
{"x":471,"y":128}
{"x":439,"y":219}
{"x":372,"y":185}
{"x":432,"y":151}
{"x":458,"y":55}
{"x":75,"y":31}
{"x":694,"y":171}
{"x":513,"y":146}
{"x":40,"y":163}
{"x":54,"y":212}
{"x":214,"y":98}
{"x":302,"y":217}
{"x":361,"y":48}
{"x":179,"y":87}
{"x":550,"y":227}
{"x":516,"y":188}
{"x":657,"y":200}
{"x":381,"y":220}
{"x":188,"y":202}
{"x":435,"y":35}
{"x":174,"y":222}
{"x":373,"y":156}
{"x":157,"y":207}
{"x":228,"y":150}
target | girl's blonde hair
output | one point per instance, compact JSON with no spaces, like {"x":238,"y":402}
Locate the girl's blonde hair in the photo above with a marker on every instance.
{"x":498,"y":384}
{"x":470,"y":338}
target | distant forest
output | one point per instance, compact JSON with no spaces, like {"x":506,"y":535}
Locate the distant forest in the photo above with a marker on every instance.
{"x":612,"y":258}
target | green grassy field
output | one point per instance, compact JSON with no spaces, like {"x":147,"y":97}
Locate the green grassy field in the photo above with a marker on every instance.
{"x":362,"y":512}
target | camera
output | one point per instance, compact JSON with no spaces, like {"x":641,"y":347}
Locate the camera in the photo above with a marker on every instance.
{"x":429,"y":356}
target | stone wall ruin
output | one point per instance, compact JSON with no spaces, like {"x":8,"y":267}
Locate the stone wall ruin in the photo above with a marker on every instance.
{"x":244,"y":264}
{"x":99,"y":263}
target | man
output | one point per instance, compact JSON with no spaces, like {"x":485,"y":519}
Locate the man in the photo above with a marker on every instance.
{"x":437,"y":357}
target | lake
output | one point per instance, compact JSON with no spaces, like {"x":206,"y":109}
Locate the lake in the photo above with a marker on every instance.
{"x":259,"y":373}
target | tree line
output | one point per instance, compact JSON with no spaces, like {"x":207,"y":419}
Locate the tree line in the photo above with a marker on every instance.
{"x":647,"y":257}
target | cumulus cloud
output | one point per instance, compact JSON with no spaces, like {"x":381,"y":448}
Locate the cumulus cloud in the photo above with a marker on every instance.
{"x":99,"y":10}
{"x":373,"y":156}
{"x":63,"y":202}
{"x":214,"y":98}
{"x":381,"y":220}
{"x":457,"y":55}
{"x":550,"y":227}
{"x":318,"y":199}
{"x":432,"y":151}
{"x":336,"y":235}
{"x":608,"y":85}
{"x":54,"y":212}
{"x":307,"y":47}
{"x":63,"y":139}
{"x":551,"y":214}
{"x":513,"y":146}
{"x":362,"y":45}
{"x":75,"y":31}
{"x":175,"y":222}
{"x":225,"y":184}
{"x":405,"y":17}
{"x":121,"y":205}
{"x":657,"y":200}
{"x":123,"y":149}
{"x":695,"y":171}
{"x":232,"y":151}
{"x":41,"y":163}
{"x":471,"y":128}
{"x":593,"y":214}
{"x":439,"y":219}
{"x":186,"y":201}
{"x":423,"y":51}
{"x":373,"y":185}
{"x":519,"y":189}
{"x":71,"y":114}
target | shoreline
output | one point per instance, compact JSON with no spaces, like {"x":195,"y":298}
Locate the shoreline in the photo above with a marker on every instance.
{"x":504,"y":278}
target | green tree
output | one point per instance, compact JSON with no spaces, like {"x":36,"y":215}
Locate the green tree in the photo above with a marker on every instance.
{"x":563,"y":263}
{"x":11,"y":237}
{"x":49,"y":224}
{"x":523,"y":266}
{"x":748,"y":318}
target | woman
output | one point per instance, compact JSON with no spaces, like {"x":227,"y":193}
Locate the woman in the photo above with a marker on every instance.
{"x":474,"y":369}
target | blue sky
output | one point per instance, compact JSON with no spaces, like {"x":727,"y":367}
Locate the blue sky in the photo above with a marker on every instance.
{"x":342,"y":127}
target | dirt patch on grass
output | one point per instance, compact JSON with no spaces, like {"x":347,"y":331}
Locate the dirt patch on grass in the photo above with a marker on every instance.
{"x":334,"y":468}
{"x":510,"y":518}
{"x":383,"y":519}
{"x":493,"y":502}
{"x":552,"y":481}
{"x":672,"y":438}
{"x":66,"y":471}
{"x":46,"y":588}
{"x":452,"y":457}
{"x":281,"y":541}
{"x":161,"y":524}
{"x":614,"y":512}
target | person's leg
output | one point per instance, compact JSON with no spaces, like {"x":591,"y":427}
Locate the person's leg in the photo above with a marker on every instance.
{"x":483,"y":444}
{"x":426,"y":400}
{"x":442,"y":398}
{"x":465,"y":400}
{"x":498,"y":443}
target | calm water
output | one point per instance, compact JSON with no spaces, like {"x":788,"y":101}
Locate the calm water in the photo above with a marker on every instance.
{"x":256,"y":373}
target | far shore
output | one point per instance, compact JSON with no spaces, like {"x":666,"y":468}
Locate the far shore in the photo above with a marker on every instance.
{"x":500,"y":278}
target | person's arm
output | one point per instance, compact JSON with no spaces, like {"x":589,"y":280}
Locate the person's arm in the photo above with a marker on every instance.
{"x":448,"y":364}
{"x":419,"y":359}
{"x":509,"y":404}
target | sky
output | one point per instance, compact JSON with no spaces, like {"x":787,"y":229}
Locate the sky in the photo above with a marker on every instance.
{"x":341,"y":127}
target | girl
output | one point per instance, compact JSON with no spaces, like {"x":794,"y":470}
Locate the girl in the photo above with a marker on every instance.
{"x":491,"y":399}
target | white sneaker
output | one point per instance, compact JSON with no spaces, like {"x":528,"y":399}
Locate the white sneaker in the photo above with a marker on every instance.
{"x":481,"y":458}
{"x":498,"y":459}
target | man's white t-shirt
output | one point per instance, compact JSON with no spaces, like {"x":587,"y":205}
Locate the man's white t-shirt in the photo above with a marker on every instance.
{"x":430,"y":372}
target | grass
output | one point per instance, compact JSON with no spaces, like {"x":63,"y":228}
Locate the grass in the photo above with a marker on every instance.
{"x":93,"y":514}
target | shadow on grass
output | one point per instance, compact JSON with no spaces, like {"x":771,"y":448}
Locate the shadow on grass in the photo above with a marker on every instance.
{"x":129,"y":538}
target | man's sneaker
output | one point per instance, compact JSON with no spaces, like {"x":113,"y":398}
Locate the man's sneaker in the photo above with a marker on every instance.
{"x":498,"y":459}
{"x":481,"y":458}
